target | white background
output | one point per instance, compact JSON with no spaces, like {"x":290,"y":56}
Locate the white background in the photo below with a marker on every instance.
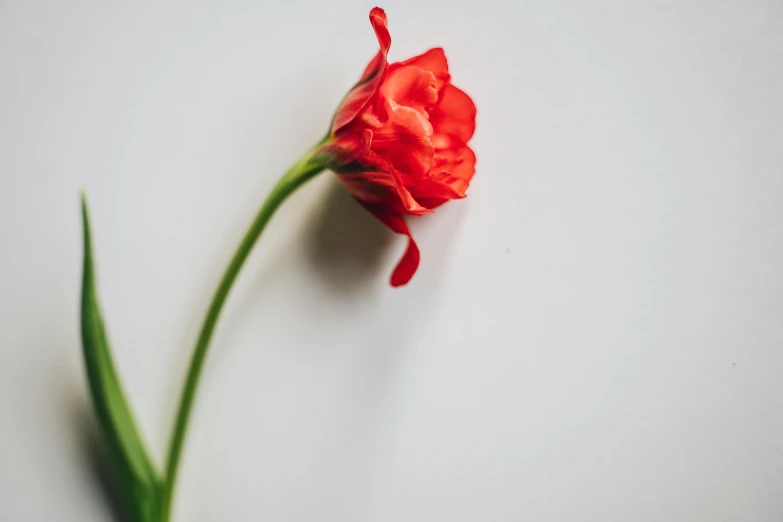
{"x":595,"y":333}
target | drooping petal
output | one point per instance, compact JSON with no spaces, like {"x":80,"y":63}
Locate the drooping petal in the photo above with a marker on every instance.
{"x":454,"y":115}
{"x":433,"y":61}
{"x":372,"y":78}
{"x":409,"y":262}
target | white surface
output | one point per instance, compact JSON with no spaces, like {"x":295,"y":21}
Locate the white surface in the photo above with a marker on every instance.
{"x":595,"y":334}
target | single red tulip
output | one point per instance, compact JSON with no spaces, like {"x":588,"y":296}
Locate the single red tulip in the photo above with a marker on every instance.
{"x":399,"y":140}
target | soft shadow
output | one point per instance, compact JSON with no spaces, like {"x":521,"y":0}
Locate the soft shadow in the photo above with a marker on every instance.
{"x":95,"y":455}
{"x":345,"y":245}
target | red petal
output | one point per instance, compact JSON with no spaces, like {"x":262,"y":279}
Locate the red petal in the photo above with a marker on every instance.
{"x":412,"y":87}
{"x":369,"y":177}
{"x":459,"y":163}
{"x":454,"y":115}
{"x":372,"y":78}
{"x":449,"y":177}
{"x":379,"y":24}
{"x":433,"y":203}
{"x":433,"y":61}
{"x":409,"y":262}
{"x":405,"y":140}
{"x":434,"y":188}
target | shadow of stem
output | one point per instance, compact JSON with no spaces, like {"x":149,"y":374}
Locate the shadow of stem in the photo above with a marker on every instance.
{"x":96,"y":456}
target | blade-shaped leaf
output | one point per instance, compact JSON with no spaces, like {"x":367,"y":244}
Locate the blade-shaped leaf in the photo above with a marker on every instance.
{"x":136,"y":473}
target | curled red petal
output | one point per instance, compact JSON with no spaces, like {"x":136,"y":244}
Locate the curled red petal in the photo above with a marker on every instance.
{"x":409,"y":262}
{"x":410,"y":86}
{"x":449,"y":178}
{"x":372,"y":78}
{"x":454,"y":116}
{"x":433,"y":61}
{"x":380,"y":25}
{"x":443,"y":187}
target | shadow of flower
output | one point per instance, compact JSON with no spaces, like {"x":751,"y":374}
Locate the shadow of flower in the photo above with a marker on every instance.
{"x":345,"y":245}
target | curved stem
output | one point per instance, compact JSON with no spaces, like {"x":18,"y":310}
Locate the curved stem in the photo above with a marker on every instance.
{"x":302,"y":171}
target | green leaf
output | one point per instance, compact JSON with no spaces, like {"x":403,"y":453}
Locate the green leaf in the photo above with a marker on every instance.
{"x":137,"y":476}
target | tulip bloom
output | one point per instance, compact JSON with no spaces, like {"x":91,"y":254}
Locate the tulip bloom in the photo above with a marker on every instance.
{"x":399,"y":140}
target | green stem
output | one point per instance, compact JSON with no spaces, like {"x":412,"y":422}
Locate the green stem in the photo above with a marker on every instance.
{"x":302,"y":171}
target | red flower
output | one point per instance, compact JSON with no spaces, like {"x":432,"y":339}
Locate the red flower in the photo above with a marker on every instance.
{"x":400,"y":140}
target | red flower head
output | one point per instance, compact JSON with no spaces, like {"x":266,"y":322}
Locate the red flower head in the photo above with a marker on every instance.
{"x":400,"y":140}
